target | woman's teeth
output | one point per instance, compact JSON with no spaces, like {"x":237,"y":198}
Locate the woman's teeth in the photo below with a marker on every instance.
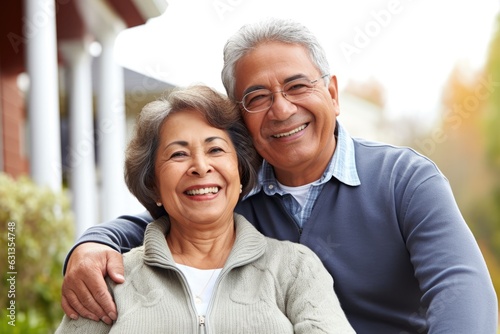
{"x":203,"y":191}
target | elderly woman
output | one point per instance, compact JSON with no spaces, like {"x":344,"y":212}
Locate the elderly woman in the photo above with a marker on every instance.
{"x":204,"y":268}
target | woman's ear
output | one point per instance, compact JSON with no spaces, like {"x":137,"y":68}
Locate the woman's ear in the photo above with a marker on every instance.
{"x":157,"y":197}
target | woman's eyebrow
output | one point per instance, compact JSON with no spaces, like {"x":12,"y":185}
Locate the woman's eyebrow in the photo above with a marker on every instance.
{"x":184,"y":143}
{"x":211,"y":139}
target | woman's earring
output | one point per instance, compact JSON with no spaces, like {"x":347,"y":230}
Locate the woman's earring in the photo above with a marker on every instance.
{"x":241,"y":188}
{"x":158,"y":203}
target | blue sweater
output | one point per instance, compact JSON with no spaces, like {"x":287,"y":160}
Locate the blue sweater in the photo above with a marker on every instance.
{"x":401,"y":255}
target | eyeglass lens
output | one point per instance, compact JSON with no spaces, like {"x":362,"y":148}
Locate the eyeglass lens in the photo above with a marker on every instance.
{"x":262,"y":99}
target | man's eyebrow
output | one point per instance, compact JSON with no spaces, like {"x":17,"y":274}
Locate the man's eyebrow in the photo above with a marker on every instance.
{"x":295,"y":77}
{"x":252,"y":89}
{"x":257,"y":87}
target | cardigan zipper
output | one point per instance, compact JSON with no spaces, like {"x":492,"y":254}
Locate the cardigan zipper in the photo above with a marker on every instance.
{"x":201,"y":321}
{"x":184,"y":282}
{"x":225,"y":270}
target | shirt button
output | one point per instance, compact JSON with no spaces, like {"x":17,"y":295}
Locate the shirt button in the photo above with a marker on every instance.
{"x":271,"y":186}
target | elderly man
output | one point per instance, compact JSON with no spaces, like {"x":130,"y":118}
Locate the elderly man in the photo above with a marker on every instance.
{"x":382,"y":219}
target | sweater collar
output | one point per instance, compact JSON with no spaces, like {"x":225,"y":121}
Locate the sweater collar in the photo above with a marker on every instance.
{"x":248,"y":246}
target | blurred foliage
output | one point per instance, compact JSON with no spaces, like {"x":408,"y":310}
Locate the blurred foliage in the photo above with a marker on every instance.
{"x":466,"y":147}
{"x":488,"y":208}
{"x":493,"y":113}
{"x":492,"y":125}
{"x":371,"y":90}
{"x":43,"y":234}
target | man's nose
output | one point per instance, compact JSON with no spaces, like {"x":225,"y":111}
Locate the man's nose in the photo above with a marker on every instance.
{"x":281,"y":109}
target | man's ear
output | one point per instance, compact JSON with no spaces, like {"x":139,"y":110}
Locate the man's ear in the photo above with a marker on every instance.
{"x":334,"y":93}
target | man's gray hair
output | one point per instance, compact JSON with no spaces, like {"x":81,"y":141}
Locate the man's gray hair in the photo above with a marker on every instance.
{"x":250,"y":36}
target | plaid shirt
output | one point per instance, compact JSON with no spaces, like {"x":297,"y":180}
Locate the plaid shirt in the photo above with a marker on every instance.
{"x":342,"y":166}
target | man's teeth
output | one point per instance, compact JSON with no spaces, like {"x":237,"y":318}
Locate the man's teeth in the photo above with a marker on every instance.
{"x":286,"y":134}
{"x":203,"y":191}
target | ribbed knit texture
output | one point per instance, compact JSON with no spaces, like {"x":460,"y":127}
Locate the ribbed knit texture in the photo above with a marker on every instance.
{"x":266,"y":286}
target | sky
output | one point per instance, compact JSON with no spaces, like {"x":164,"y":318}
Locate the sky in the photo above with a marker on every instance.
{"x":409,"y":46}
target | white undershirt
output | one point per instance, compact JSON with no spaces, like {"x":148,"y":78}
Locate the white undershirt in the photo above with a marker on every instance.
{"x":299,"y":193}
{"x":201,"y":282}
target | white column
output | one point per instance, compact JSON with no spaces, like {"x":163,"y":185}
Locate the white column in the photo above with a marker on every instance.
{"x":111,"y":130}
{"x":81,"y":158}
{"x":43,"y":97}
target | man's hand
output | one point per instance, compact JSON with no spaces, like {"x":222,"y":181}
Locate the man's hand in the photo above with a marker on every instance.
{"x":84,"y":291}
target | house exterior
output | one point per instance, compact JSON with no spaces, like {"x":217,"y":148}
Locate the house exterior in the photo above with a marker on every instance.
{"x":63,"y":102}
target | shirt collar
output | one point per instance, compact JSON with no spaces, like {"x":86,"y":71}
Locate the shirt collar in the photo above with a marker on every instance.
{"x":343,"y":163}
{"x":342,"y":166}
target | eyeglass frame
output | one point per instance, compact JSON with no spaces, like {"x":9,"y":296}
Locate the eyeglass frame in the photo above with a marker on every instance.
{"x":313,"y":82}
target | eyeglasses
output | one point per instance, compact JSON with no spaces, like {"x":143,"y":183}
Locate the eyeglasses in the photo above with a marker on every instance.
{"x":262,"y":99}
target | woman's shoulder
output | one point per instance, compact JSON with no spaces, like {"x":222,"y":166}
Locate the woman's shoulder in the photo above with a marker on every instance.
{"x":133,"y":259}
{"x":290,"y":253}
{"x":288,"y":246}
{"x":292,"y":263}
{"x":273,"y":247}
